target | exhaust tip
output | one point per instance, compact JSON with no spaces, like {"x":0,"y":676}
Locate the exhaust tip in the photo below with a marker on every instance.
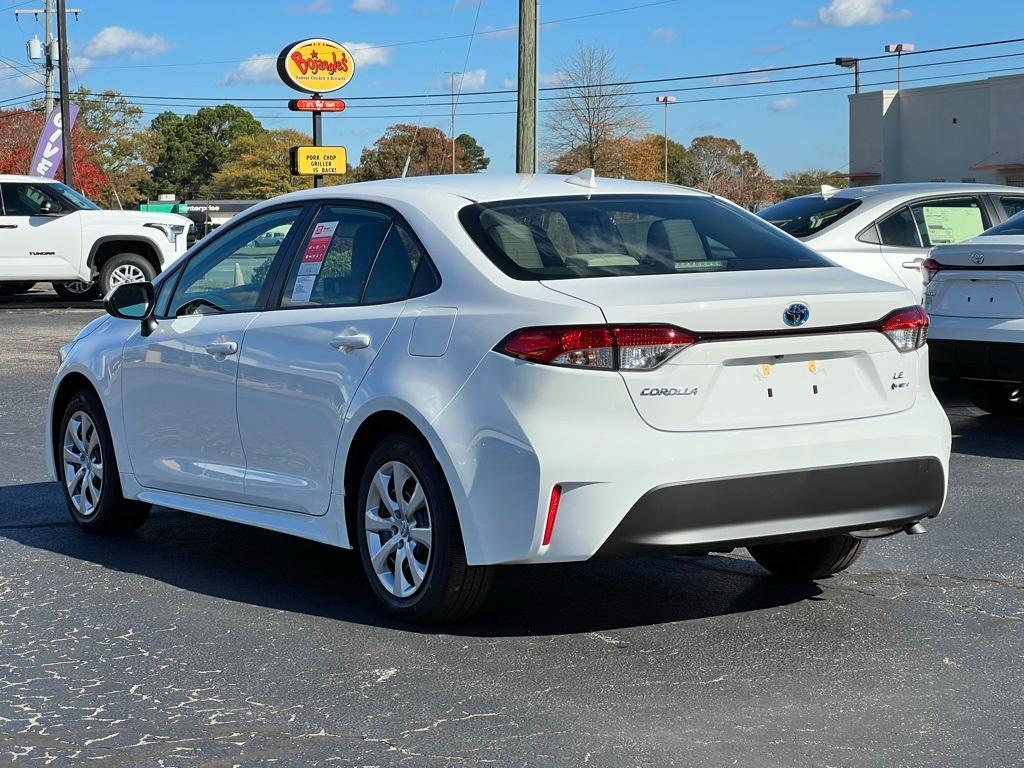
{"x":915,"y":529}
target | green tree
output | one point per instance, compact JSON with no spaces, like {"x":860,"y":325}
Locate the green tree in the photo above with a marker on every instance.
{"x":810,"y":180}
{"x":431,"y":154}
{"x":473,"y":157}
{"x":722,"y":167}
{"x":194,"y":147}
{"x":258,"y":167}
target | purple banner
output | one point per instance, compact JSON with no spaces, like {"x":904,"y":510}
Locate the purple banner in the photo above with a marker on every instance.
{"x":50,"y":151}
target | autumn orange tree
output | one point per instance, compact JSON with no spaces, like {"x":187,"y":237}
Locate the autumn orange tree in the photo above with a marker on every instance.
{"x":429,"y":151}
{"x":721,"y":166}
{"x":19,"y":133}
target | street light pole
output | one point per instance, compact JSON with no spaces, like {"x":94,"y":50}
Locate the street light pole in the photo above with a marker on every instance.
{"x":452,"y":134}
{"x":666,"y":100}
{"x":899,"y":49}
{"x":850,"y":62}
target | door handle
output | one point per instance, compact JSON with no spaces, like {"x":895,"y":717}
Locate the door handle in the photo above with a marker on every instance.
{"x":222,"y":348}
{"x":915,"y":264}
{"x":349,"y":341}
{"x":8,"y":226}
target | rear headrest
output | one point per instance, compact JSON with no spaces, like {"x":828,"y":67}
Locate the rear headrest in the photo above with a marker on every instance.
{"x":674,"y":240}
{"x":365,"y":245}
{"x":517,"y":241}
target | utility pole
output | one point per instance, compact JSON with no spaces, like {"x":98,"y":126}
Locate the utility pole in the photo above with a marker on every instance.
{"x":526,"y":114}
{"x":65,"y":98}
{"x":49,"y":46}
{"x":452,"y":134}
{"x":666,"y":100}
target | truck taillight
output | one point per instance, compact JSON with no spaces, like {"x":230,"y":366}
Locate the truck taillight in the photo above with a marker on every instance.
{"x":621,"y":347}
{"x":906,"y":328}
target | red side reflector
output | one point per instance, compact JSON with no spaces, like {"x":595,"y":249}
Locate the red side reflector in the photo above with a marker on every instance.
{"x":549,"y":526}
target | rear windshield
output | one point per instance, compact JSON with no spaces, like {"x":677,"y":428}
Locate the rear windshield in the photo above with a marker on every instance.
{"x":570,"y":237}
{"x":1012,"y":226}
{"x":804,"y":216}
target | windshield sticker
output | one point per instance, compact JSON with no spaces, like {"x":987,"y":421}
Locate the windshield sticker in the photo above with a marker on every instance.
{"x":952,"y":225}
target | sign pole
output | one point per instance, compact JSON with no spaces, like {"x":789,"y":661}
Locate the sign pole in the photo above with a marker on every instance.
{"x":318,"y":138}
{"x":65,"y":98}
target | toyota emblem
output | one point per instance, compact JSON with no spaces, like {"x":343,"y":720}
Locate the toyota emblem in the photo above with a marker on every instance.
{"x":796,"y":314}
{"x":978,"y":258}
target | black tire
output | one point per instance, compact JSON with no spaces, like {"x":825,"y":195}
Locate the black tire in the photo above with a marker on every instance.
{"x":450,"y":589}
{"x":812,"y":559}
{"x":111,"y":513}
{"x":123,"y":261}
{"x":998,"y":398}
{"x":65,"y":291}
{"x":11,"y":288}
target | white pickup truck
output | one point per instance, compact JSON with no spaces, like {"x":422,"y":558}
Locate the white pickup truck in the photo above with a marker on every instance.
{"x":51,"y":233}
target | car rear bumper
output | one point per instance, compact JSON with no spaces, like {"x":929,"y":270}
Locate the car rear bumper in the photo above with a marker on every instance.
{"x":980,"y":360}
{"x":744,"y":510}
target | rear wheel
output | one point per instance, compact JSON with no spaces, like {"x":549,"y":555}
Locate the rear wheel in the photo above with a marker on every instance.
{"x":88,"y":470}
{"x":409,"y":539}
{"x":813,"y":559}
{"x":124,"y":268}
{"x":10,"y":288}
{"x":77,"y":290}
{"x":997,"y":398}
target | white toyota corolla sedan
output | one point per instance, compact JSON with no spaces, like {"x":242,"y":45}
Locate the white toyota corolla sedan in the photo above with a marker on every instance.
{"x":451,"y":373}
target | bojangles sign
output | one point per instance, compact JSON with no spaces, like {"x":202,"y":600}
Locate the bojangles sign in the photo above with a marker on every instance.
{"x":316,"y":65}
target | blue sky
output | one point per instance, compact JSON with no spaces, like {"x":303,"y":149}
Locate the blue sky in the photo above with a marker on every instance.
{"x":219,"y":50}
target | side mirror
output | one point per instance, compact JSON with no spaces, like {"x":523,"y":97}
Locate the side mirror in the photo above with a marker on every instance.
{"x":133,"y":301}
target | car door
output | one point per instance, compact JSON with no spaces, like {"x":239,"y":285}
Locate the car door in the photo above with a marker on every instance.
{"x":40,"y":237}
{"x":906,"y":234}
{"x":178,"y":384}
{"x":301,"y":364}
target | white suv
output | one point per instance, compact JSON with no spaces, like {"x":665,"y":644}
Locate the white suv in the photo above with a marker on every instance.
{"x":51,"y":233}
{"x":449,"y":373}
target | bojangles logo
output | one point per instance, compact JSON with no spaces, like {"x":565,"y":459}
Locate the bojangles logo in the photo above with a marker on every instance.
{"x":315,"y":65}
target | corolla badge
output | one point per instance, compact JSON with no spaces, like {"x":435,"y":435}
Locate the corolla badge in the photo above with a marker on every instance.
{"x":796,"y":314}
{"x":978,"y":258}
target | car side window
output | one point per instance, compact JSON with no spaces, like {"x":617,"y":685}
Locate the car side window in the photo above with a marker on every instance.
{"x":950,"y":220}
{"x":899,"y":230}
{"x":28,"y":200}
{"x":331,"y":266}
{"x":229,"y":274}
{"x":393,"y":272}
{"x":1012,"y":204}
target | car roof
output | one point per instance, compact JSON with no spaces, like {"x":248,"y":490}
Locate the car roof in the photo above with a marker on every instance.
{"x":888,"y":193}
{"x":484,"y":187}
{"x":23,"y":177}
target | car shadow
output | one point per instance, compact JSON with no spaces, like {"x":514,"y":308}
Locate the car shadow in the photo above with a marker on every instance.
{"x":45,"y":299}
{"x":248,"y":565}
{"x":976,"y":433}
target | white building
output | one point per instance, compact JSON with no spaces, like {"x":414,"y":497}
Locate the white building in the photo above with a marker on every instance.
{"x":972,"y":132}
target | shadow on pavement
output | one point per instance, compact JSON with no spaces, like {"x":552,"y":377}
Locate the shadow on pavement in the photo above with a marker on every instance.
{"x":248,"y":565}
{"x":976,"y":433}
{"x":45,"y":299}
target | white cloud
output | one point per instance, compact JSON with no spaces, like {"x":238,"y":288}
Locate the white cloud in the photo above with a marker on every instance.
{"x":374,"y":6}
{"x":368,"y":54}
{"x":850,"y":13}
{"x":781,"y":105}
{"x":114,"y":41}
{"x":258,"y":68}
{"x":474,"y":80}
{"x":314,"y":6}
{"x":663,"y":35}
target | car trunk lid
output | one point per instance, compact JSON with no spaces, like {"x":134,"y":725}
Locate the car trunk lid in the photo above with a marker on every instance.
{"x":983,"y":278}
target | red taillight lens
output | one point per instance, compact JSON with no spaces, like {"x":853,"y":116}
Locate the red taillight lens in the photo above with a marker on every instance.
{"x":643,"y":347}
{"x":929,"y":268}
{"x":582,"y":347}
{"x":624,"y":347}
{"x":549,"y":524}
{"x":906,"y":328}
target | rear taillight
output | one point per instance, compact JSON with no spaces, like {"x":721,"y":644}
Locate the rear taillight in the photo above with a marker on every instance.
{"x":622,"y":347}
{"x":929,"y":268}
{"x":906,"y":328}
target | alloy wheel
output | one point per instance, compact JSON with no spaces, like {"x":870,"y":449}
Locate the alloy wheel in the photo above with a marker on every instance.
{"x":126,"y":273}
{"x":399,"y":535}
{"x":83,"y":463}
{"x":77,"y":286}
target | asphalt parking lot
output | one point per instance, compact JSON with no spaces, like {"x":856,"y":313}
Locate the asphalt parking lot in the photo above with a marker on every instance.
{"x":199,"y":642}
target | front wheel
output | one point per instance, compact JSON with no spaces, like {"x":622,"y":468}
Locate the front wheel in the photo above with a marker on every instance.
{"x":88,"y":470}
{"x":124,"y":268}
{"x":997,"y":398}
{"x":409,"y":539}
{"x":813,"y":559}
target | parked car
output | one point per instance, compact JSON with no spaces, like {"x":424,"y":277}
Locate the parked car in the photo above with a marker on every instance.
{"x":885,"y":231}
{"x":269,"y":240}
{"x":449,"y":373}
{"x":52,"y":233}
{"x":974,"y":293}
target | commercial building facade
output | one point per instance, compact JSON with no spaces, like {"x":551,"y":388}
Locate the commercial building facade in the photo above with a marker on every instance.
{"x":969,"y":132}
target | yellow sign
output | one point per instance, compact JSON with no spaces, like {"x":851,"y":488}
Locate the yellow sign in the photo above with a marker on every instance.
{"x":315,"y":65}
{"x":318,"y":161}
